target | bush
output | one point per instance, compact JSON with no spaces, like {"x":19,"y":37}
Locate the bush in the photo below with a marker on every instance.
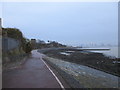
{"x":28,"y":47}
{"x":13,"y":33}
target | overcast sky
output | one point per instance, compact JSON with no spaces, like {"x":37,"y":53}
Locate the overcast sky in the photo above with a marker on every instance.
{"x":68,"y":23}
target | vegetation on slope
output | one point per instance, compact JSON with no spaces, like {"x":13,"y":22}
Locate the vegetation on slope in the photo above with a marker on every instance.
{"x":17,"y":34}
{"x":17,"y":54}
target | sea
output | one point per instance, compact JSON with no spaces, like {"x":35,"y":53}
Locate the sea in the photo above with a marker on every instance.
{"x":113,"y":52}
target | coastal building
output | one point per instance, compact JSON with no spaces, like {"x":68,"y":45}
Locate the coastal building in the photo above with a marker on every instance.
{"x":41,"y":42}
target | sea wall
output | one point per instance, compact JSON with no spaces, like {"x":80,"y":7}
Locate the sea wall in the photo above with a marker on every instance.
{"x":82,"y":76}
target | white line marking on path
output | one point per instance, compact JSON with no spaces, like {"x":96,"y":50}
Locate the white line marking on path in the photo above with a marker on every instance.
{"x":54,"y":75}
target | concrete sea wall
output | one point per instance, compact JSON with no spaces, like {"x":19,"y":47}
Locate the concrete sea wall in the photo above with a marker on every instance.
{"x":85,"y":76}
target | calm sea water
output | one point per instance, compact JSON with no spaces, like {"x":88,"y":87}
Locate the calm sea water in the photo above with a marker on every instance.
{"x":113,"y":52}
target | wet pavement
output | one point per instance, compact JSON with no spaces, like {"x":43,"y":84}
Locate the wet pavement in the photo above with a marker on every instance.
{"x":32,"y":74}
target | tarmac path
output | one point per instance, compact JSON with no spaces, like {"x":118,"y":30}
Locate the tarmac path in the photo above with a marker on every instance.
{"x":34,"y":73}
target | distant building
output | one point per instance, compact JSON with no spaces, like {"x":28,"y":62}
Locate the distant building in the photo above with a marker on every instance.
{"x":33,"y":43}
{"x":41,"y":42}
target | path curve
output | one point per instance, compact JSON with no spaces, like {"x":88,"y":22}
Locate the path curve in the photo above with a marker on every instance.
{"x":34,"y":73}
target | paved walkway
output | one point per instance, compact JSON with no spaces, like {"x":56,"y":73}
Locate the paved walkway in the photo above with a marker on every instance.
{"x":32,"y":74}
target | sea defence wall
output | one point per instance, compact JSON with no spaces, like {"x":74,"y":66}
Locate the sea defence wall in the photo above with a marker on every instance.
{"x":82,"y":76}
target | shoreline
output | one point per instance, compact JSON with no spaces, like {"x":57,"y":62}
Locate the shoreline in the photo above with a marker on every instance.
{"x":94,"y":60}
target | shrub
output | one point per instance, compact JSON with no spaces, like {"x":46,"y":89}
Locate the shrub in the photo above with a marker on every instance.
{"x":28,"y":47}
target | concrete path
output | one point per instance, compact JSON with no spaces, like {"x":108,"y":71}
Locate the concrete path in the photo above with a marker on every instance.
{"x":32,"y":74}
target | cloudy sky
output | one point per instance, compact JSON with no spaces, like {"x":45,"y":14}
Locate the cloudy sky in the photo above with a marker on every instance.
{"x":66,"y":22}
